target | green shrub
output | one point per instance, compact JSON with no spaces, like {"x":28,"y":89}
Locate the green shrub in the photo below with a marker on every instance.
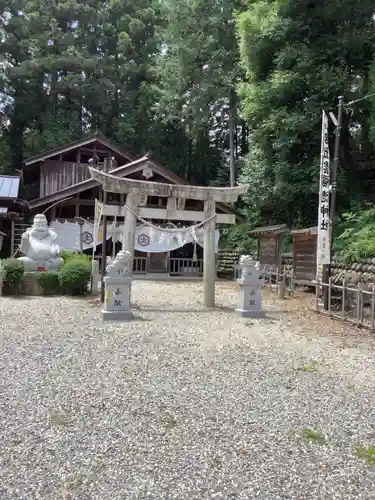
{"x":75,"y":275}
{"x":13,"y":277}
{"x":71,"y":254}
{"x":237,"y":237}
{"x":49,"y":281}
{"x":67,"y":254}
{"x":355,"y":236}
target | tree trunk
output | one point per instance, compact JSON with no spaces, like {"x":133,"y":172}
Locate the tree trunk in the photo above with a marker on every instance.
{"x":232,"y":131}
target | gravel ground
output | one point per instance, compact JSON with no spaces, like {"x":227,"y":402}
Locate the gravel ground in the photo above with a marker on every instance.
{"x":183,"y":403}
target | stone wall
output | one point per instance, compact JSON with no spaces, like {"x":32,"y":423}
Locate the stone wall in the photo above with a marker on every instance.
{"x":226,"y":260}
{"x":362,"y":271}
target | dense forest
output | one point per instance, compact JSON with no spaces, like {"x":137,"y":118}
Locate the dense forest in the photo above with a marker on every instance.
{"x":219,"y":91}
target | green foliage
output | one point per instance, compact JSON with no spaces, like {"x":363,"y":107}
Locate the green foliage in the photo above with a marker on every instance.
{"x":237,"y":237}
{"x":67,"y":255}
{"x":366,"y":453}
{"x":74,"y":276}
{"x":49,"y":282}
{"x":298,"y":61}
{"x":13,"y":278}
{"x":355,"y":236}
{"x":174,"y":77}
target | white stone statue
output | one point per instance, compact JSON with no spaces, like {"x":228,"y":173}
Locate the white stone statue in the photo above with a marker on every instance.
{"x":246,"y":263}
{"x":120,"y":265}
{"x":39,"y":247}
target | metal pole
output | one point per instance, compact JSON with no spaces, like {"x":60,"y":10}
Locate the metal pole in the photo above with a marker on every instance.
{"x":336,"y":161}
{"x":104,"y":241}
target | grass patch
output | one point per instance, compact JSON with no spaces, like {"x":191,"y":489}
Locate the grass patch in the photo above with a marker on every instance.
{"x":308,"y":368}
{"x":366,"y":454}
{"x":74,"y":482}
{"x":215,"y":463}
{"x":313,"y":436}
{"x":61,"y":418}
{"x":169,"y":421}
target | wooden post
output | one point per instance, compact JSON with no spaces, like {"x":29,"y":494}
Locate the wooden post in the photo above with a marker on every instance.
{"x":294,"y":258}
{"x":76,"y":202}
{"x":104,"y":241}
{"x":130,"y":225}
{"x":209,"y":257}
{"x":12,"y":239}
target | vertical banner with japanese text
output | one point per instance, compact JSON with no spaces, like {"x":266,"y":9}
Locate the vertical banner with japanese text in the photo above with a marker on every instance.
{"x":324,"y":237}
{"x":97,"y":218}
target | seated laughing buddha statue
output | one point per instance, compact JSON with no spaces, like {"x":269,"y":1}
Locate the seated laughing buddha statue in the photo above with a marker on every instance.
{"x":39,"y":247}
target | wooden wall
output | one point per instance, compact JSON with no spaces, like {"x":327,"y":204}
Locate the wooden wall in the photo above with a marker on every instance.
{"x":304,"y":257}
{"x":57,"y":175}
{"x":269,"y":250}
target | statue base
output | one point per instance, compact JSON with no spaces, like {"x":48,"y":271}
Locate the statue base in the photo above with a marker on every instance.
{"x":31,"y":285}
{"x":117,"y":298}
{"x":117,"y":315}
{"x":251,"y":314}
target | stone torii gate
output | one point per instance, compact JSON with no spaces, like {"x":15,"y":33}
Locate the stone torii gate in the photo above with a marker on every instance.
{"x":137,"y":193}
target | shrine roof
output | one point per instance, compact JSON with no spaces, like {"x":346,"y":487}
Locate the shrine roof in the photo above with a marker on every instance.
{"x":9,"y":186}
{"x":76,"y":144}
{"x":122,"y":171}
{"x":308,"y":230}
{"x":275,"y":229}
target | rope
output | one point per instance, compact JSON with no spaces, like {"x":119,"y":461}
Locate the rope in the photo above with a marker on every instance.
{"x":361,"y":99}
{"x":57,"y":202}
{"x":170,"y":230}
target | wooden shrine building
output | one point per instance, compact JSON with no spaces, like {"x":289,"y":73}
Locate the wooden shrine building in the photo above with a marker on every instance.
{"x":304,"y":245}
{"x":269,"y":244}
{"x":58,"y":182}
{"x":11,"y":212}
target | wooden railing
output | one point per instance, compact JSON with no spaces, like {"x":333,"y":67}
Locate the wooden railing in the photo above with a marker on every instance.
{"x":185,"y":267}
{"x":140,"y":265}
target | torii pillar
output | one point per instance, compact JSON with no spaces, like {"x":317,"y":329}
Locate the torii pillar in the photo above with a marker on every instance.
{"x":136,"y":190}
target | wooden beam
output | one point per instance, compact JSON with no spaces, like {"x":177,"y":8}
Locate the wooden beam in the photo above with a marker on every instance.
{"x":162,"y":213}
{"x":114,"y":184}
{"x":106,"y":152}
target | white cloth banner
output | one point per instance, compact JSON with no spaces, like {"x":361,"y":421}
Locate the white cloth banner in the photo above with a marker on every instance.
{"x":97,"y":218}
{"x":147,"y":239}
{"x":323,"y":240}
{"x":150,"y":240}
{"x":69,"y":235}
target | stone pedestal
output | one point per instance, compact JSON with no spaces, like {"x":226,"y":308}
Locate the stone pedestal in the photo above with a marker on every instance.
{"x":250,"y":282}
{"x":117,"y":289}
{"x":95,"y":277}
{"x":2,"y":275}
{"x":31,"y":285}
